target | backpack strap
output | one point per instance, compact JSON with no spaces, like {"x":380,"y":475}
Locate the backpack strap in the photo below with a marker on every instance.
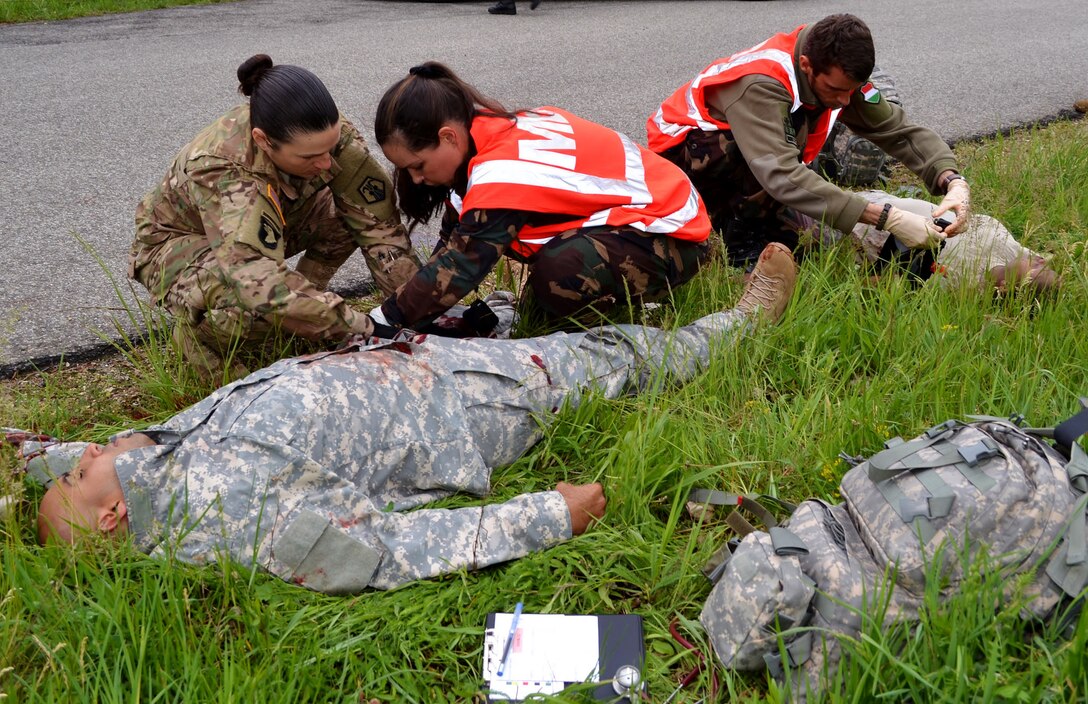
{"x":939,"y":503}
{"x":897,"y":451}
{"x":1077,"y":468}
{"x":786,"y":542}
{"x":1069,"y":565}
{"x":783,"y":541}
{"x":964,"y":458}
{"x":754,"y":504}
{"x":793,"y":653}
{"x":1065,"y":435}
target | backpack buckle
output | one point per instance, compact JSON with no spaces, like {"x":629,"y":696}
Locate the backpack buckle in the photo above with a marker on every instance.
{"x":980,"y":450}
{"x":940,"y":429}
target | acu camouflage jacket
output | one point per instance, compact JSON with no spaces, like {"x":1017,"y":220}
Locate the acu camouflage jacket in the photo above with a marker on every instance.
{"x":307,"y":468}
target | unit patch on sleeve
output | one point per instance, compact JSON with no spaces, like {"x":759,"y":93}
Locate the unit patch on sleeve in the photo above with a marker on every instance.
{"x":372,"y":190}
{"x":870,"y":93}
{"x":270,"y":232}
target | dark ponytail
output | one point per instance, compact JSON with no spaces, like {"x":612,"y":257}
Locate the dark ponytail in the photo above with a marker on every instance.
{"x":413,"y":110}
{"x":285,"y":100}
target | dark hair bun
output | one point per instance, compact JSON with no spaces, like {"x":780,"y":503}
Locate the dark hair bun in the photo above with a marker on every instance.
{"x":250,"y":72}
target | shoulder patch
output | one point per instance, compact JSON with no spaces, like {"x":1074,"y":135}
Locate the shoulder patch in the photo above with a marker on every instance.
{"x":870,"y":93}
{"x":372,"y":190}
{"x":789,"y":130}
{"x":270,"y":233}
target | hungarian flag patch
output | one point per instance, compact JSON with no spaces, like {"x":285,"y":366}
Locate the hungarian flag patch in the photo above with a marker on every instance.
{"x":870,"y":93}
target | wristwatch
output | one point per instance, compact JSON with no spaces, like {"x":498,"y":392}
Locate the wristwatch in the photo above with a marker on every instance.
{"x":883,"y":219}
{"x":950,"y":179}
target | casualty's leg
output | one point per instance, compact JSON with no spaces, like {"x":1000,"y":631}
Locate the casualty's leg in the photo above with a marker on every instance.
{"x":510,"y":388}
{"x":771,"y":284}
{"x":619,"y":359}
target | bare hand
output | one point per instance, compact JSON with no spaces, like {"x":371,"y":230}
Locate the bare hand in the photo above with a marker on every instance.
{"x":585,"y":502}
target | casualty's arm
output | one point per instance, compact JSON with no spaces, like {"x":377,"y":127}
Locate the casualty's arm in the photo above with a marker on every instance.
{"x":429,"y":542}
{"x":372,"y":546}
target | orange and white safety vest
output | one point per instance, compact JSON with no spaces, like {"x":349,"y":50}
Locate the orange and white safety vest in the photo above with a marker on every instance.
{"x":686,"y":109}
{"x":550,"y":161}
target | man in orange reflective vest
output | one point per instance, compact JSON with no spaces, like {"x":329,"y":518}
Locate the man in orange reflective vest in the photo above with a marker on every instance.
{"x":746,"y":126}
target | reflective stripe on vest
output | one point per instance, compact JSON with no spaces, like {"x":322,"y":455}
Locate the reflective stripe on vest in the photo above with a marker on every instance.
{"x":551,"y":161}
{"x":686,"y":109}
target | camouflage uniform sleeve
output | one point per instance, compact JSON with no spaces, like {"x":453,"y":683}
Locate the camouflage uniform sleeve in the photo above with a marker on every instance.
{"x":363,"y":194}
{"x":385,"y":549}
{"x":244,"y":226}
{"x":450,"y":220}
{"x":471,"y":252}
{"x":430,"y":542}
{"x":885,"y":124}
{"x":757,"y":110}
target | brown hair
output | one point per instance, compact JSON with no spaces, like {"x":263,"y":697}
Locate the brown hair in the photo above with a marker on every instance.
{"x":844,"y":41}
{"x":285,"y":100}
{"x":413,"y":110}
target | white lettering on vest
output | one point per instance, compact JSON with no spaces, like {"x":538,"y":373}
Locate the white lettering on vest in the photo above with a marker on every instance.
{"x":545,"y":151}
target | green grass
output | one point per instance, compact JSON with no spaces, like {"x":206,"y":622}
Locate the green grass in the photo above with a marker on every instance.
{"x":851,"y":365}
{"x":39,"y":10}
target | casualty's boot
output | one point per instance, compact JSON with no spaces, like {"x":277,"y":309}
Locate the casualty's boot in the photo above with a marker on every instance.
{"x":771,"y":284}
{"x":503,"y":7}
{"x":535,"y":4}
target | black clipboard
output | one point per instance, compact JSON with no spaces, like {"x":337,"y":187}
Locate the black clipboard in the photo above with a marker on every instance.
{"x":620,"y":642}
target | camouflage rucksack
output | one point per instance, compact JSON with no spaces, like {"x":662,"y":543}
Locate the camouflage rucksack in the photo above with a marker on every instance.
{"x":851,"y":160}
{"x":780,"y":597}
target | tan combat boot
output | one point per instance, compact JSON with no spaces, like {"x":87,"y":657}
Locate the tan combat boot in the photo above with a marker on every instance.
{"x":770,"y":285}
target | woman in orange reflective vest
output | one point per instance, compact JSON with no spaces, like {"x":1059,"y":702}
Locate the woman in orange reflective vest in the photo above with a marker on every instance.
{"x":598,"y":219}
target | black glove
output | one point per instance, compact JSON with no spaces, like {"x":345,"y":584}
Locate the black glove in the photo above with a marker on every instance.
{"x":481,"y":318}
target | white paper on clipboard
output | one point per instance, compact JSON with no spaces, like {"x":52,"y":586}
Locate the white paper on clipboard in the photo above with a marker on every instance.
{"x":549,"y":652}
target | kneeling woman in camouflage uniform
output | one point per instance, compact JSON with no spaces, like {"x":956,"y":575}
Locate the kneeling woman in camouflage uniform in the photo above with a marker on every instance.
{"x":598,"y":219}
{"x":281,"y":175}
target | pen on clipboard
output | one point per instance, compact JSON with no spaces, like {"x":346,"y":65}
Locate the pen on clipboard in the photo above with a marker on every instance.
{"x":510,"y":639}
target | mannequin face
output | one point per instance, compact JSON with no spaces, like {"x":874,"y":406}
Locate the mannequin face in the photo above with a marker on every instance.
{"x":432,"y":166}
{"x":89,"y":498}
{"x":306,"y":155}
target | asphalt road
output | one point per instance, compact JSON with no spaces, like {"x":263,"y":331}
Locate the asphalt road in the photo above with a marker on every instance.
{"x":94,"y":109}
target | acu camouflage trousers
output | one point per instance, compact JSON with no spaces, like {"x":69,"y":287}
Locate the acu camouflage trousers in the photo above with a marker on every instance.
{"x":585,"y":273}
